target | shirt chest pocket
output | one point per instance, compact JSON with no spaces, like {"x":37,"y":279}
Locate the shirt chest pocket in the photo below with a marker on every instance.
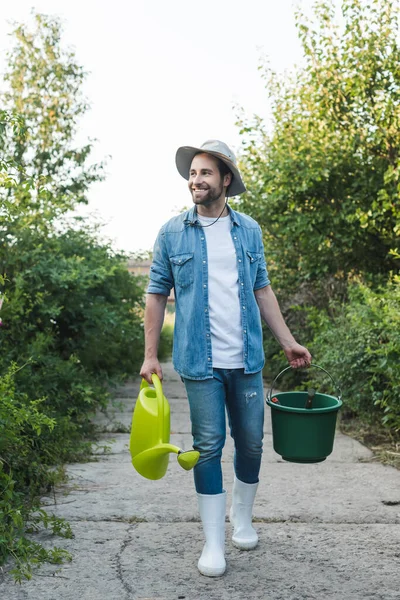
{"x":253,"y":261}
{"x":182,"y":269}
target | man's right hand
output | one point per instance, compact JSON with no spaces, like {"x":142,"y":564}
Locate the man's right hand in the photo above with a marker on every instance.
{"x":149,"y":367}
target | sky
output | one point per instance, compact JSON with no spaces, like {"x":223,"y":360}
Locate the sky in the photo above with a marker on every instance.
{"x":163,"y":75}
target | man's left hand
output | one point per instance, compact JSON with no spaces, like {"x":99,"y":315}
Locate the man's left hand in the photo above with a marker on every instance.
{"x":298,"y":356}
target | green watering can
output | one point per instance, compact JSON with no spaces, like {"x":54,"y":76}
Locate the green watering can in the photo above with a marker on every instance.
{"x":149,"y":441}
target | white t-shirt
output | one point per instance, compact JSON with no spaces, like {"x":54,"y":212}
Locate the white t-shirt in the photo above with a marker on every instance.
{"x":223,"y":295}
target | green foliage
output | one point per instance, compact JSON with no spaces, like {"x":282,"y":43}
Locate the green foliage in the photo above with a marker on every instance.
{"x":74,"y":314}
{"x":22,"y":477}
{"x":71,"y":295}
{"x":166,"y":339}
{"x":71,"y":314}
{"x":324,"y":185}
{"x":275,"y":362}
{"x":43,"y":88}
{"x":361,"y":345}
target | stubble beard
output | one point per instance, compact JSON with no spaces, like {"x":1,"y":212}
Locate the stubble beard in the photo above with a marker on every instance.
{"x":213,"y":195}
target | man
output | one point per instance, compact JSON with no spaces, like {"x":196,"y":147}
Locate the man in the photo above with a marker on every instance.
{"x":214,"y":258}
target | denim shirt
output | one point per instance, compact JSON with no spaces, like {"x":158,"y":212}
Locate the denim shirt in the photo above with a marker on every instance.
{"x":180,"y":261}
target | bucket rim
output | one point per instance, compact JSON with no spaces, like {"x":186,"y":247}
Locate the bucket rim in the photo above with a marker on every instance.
{"x":291,"y":409}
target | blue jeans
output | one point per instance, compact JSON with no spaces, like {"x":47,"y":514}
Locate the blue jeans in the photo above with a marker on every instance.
{"x":242,"y":395}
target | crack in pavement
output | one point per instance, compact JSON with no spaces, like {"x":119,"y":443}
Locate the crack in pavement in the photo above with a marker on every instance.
{"x":120,"y":576}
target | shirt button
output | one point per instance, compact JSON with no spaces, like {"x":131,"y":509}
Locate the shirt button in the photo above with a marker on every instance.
{"x":205,"y":285}
{"x":244,"y":330}
{"x":208,"y":335}
{"x":244,"y":308}
{"x":235,"y":238}
{"x":241,"y":283}
{"x":204,"y":262}
{"x":240,"y":260}
{"x":202,"y":239}
{"x":209,"y":358}
{"x":206,"y":310}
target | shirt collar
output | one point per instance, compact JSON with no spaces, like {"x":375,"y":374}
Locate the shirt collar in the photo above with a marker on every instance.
{"x":191,"y":216}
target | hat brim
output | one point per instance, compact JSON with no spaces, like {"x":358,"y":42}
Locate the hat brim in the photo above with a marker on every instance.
{"x":185,"y":155}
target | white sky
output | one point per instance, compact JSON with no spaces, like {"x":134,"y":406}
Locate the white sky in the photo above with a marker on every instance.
{"x":163,"y":74}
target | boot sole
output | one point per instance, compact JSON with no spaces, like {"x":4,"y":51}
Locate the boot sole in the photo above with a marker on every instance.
{"x":242,"y":545}
{"x":212,"y":572}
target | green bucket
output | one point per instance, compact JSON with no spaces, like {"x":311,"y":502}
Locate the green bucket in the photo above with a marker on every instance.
{"x":303,"y":435}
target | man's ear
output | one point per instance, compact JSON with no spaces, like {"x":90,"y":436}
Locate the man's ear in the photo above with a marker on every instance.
{"x":227,"y":179}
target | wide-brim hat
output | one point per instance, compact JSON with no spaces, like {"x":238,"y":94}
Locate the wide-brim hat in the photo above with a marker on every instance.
{"x":185,"y":155}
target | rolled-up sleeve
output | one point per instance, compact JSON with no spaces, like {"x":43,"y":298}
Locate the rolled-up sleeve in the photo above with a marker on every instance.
{"x":262,"y":279}
{"x":161,"y":279}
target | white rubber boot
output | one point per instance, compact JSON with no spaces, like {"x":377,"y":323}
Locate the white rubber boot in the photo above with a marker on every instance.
{"x":212,"y":510}
{"x":244,"y":535}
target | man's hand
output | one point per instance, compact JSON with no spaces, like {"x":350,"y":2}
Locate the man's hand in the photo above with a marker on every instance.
{"x":298,"y":356}
{"x":149,"y":367}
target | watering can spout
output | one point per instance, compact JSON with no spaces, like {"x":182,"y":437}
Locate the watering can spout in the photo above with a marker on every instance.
{"x":151,"y":462}
{"x":188,"y":459}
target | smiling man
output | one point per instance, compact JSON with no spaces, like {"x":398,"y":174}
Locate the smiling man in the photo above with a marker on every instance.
{"x":213,"y":257}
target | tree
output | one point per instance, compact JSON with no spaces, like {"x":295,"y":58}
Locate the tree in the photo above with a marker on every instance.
{"x":43,"y":86}
{"x":324,"y":184}
{"x":73,"y":310}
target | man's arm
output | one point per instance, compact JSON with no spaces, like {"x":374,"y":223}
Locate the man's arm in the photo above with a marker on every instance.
{"x":153,"y":322}
{"x":297,"y":355}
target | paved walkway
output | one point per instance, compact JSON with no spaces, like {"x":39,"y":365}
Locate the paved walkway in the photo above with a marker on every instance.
{"x":327,"y":531}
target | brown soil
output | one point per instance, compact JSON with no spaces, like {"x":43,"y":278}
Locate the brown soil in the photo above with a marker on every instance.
{"x":384,"y":445}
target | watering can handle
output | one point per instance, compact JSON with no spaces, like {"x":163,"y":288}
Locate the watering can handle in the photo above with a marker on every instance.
{"x":269,"y":393}
{"x":156,"y":382}
{"x":160,"y":398}
{"x":160,"y":401}
{"x":143,"y":384}
{"x":157,"y":386}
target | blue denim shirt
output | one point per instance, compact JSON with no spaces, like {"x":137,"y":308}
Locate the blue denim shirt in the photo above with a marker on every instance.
{"x":180,"y":261}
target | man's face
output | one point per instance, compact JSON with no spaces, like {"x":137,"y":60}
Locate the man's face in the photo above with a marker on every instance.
{"x":205,"y":182}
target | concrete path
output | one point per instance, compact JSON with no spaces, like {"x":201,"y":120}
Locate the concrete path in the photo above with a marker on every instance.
{"x":327,"y":531}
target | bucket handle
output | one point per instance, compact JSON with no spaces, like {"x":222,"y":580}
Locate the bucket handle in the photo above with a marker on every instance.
{"x":269,"y":393}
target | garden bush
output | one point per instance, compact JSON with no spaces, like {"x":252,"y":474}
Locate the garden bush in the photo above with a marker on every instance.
{"x":361,"y":346}
{"x":23,"y":477}
{"x":166,"y":340}
{"x":71,"y":314}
